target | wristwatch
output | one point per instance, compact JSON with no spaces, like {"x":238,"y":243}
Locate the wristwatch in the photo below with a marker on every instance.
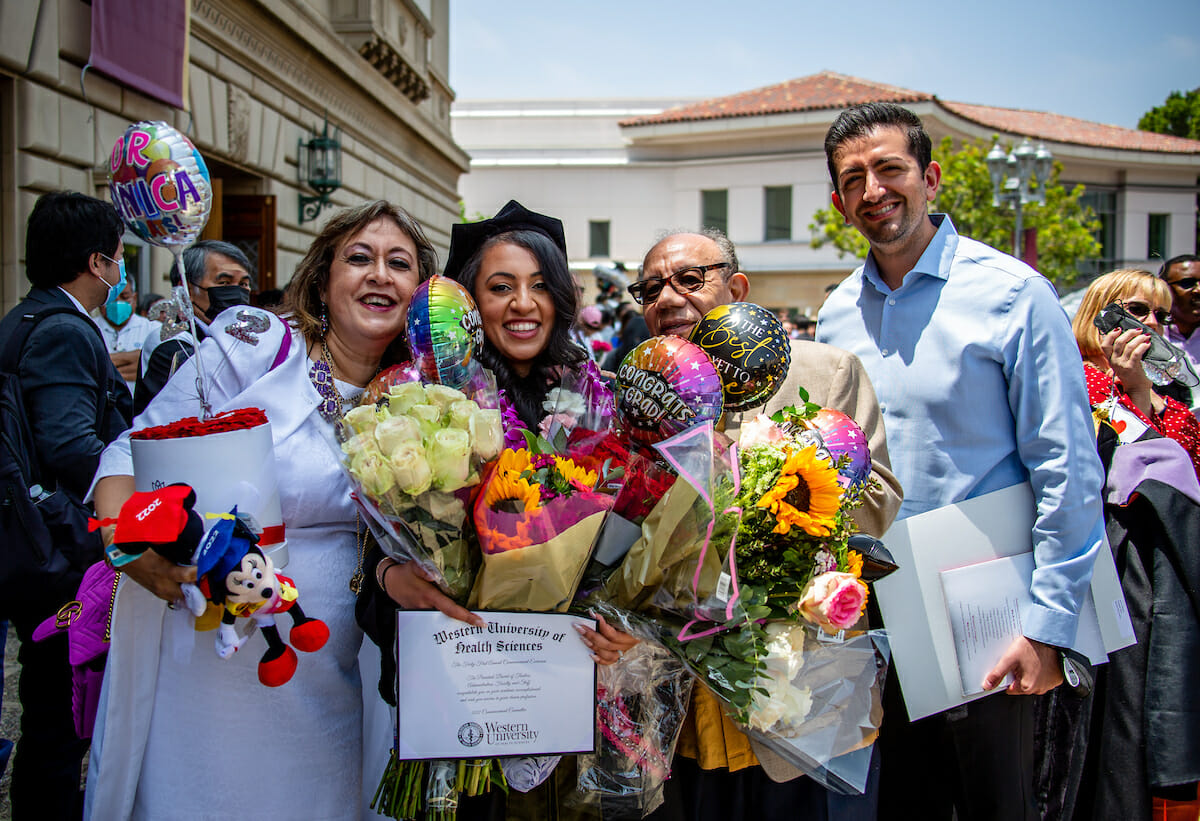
{"x":1077,"y":672}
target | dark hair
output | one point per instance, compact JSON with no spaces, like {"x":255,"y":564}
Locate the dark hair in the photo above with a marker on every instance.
{"x":528,"y":393}
{"x":860,"y":120}
{"x":195,"y":261}
{"x":146,"y":300}
{"x":302,"y":296}
{"x":1179,"y":260}
{"x":64,"y":229}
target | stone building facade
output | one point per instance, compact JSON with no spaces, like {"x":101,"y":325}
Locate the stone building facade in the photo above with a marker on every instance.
{"x":262,"y":75}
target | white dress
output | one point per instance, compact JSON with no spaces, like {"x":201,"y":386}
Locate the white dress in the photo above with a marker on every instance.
{"x":182,"y":734}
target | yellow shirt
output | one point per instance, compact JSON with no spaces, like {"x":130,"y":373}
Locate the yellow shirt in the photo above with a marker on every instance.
{"x":709,"y":737}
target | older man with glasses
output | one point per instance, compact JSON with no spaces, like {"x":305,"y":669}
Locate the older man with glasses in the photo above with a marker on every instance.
{"x":1182,"y":273}
{"x":717,"y":772}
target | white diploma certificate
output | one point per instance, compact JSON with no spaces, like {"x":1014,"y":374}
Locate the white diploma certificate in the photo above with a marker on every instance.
{"x":920,"y":611}
{"x":523,"y":685}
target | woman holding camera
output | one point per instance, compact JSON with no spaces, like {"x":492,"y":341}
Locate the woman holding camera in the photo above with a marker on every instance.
{"x":1118,"y":387}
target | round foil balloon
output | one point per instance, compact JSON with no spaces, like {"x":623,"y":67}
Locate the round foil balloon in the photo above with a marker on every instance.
{"x":838,"y":434}
{"x":159,"y":183}
{"x":444,"y":330}
{"x":664,"y":386}
{"x":750,"y":349}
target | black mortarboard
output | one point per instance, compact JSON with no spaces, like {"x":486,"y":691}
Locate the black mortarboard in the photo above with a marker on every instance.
{"x":468,"y":237}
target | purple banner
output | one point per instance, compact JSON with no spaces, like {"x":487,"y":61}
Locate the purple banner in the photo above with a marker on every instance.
{"x":143,"y":45}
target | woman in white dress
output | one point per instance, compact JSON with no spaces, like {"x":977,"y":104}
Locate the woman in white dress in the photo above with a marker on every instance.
{"x":181,"y":733}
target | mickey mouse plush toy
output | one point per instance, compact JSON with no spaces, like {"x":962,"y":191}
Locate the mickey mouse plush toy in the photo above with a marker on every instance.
{"x":237,"y":576}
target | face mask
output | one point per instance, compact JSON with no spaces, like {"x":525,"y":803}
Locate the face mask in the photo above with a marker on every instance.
{"x":118,"y":312}
{"x":221,"y":297}
{"x":114,"y":291}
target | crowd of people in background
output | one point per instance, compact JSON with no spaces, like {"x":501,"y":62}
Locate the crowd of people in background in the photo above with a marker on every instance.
{"x":955,"y":359}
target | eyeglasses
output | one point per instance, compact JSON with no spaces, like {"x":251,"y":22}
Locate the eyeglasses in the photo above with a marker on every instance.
{"x":684,"y":281}
{"x":1140,"y":310}
{"x":1184,"y":283}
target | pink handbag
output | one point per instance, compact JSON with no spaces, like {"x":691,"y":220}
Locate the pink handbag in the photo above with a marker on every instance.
{"x":86,"y":621}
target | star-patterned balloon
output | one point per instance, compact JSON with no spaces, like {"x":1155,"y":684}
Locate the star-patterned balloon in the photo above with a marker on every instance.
{"x":664,"y":386}
{"x":444,"y":331}
{"x":839,"y":435}
{"x":748,"y":345}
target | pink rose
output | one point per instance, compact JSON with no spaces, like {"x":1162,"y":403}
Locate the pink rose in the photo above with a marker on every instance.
{"x":761,"y":431}
{"x":554,"y":421}
{"x":834,"y":601}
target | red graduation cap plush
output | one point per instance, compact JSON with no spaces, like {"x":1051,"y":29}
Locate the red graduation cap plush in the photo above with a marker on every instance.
{"x":162,"y":520}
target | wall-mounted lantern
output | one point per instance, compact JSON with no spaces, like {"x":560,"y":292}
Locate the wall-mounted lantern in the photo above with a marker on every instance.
{"x":320,"y":167}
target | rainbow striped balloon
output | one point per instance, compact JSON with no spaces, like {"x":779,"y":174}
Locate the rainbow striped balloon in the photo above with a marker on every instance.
{"x":444,"y":331}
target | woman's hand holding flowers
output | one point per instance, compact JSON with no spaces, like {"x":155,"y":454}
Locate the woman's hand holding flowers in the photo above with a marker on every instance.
{"x":411,"y":588}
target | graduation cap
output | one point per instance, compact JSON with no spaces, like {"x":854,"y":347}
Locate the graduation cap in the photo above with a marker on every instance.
{"x":466,"y":238}
{"x":223,"y":549}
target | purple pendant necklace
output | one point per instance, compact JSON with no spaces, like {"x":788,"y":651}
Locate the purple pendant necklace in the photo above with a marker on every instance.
{"x":321,"y":374}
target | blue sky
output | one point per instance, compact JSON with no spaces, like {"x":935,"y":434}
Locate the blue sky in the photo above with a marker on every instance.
{"x":1102,"y":61}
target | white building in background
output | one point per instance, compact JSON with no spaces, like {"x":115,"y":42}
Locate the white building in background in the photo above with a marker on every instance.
{"x":618,"y":172}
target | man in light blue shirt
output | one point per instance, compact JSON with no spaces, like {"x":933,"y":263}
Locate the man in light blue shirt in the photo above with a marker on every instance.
{"x":981,"y":387}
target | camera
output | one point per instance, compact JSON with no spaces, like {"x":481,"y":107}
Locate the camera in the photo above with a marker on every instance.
{"x":1163,"y":362}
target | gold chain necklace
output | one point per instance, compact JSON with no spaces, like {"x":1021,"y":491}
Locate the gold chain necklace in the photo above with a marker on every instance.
{"x":360,"y":535}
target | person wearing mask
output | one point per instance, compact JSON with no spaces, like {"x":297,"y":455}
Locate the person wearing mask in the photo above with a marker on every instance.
{"x":219,"y":277}
{"x":76,"y":404}
{"x":124,"y":332}
{"x":981,"y":387}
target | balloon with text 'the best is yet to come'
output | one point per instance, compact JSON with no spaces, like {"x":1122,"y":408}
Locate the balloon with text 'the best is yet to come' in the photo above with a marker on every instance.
{"x":444,"y":331}
{"x":750,"y":349}
{"x":664,"y":386}
{"x":160,"y":185}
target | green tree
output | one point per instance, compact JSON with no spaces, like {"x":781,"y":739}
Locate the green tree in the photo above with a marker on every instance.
{"x":1065,"y":229}
{"x":1178,"y":115}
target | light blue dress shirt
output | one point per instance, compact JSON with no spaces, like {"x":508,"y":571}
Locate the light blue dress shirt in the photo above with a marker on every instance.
{"x":981,"y":387}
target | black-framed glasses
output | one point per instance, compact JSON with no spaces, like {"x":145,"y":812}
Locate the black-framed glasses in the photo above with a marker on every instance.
{"x":1186,"y":283}
{"x":684,"y":281}
{"x":1140,"y":310}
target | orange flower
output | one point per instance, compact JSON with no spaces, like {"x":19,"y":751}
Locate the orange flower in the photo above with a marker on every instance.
{"x":855,"y":561}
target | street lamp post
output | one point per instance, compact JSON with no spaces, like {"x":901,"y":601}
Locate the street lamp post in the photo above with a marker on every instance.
{"x":1013,"y":176}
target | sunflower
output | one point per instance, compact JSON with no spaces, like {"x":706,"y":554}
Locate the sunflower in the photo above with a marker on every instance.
{"x":581,"y":478}
{"x":854,"y":560}
{"x":507,"y":483}
{"x":806,"y":495}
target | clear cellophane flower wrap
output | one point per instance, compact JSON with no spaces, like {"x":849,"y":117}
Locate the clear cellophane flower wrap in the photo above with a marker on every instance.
{"x":747,"y":575}
{"x":641,"y":703}
{"x":541,"y":507}
{"x":414,"y":452}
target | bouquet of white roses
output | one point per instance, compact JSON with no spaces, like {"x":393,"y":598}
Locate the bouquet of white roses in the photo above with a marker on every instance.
{"x":413,"y":451}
